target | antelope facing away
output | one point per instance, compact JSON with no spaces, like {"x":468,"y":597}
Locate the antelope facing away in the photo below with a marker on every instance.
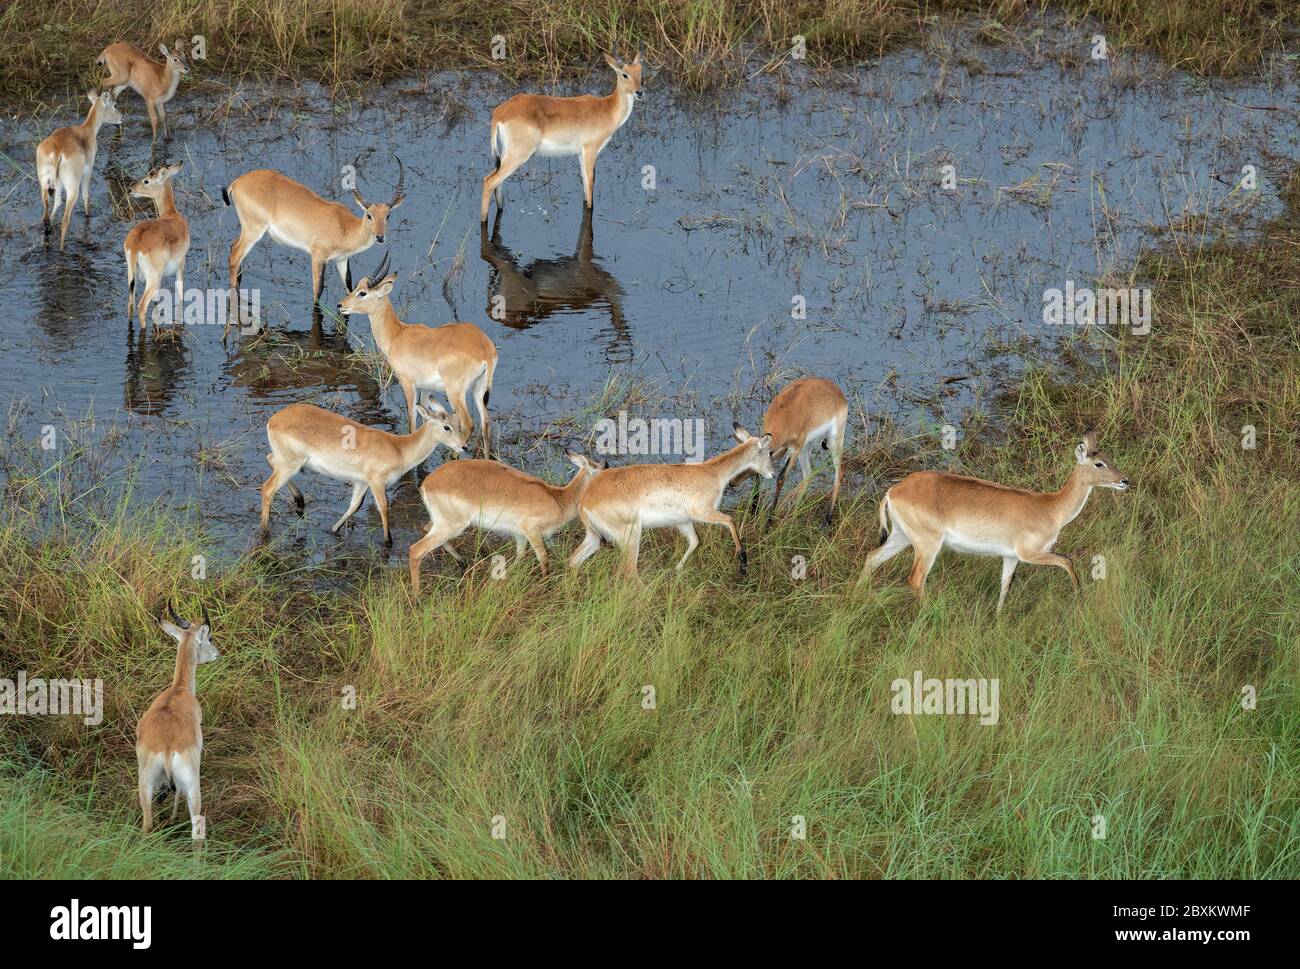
{"x":65,"y":161}
{"x":158,"y":246}
{"x":169,"y":737}
{"x":365,"y":457}
{"x":582,"y":126}
{"x":620,"y":502}
{"x":931,"y":509}
{"x":499,"y":499}
{"x":129,"y":66}
{"x":457,"y":359}
{"x":807,"y":412}
{"x":267,"y":201}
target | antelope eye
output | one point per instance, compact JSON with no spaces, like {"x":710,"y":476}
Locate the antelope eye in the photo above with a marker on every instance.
{"x":1099,"y":465}
{"x":446,"y":427}
{"x":625,"y":77}
{"x":362,"y":293}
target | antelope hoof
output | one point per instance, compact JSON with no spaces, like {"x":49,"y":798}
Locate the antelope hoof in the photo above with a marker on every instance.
{"x":744,"y":562}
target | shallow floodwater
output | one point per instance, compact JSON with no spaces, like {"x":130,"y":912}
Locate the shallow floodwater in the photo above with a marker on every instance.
{"x":825,"y":189}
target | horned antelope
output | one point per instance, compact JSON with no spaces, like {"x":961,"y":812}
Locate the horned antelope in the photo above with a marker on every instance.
{"x":129,"y":66}
{"x":156,"y":247}
{"x":931,"y":509}
{"x":457,"y":359}
{"x":365,"y":457}
{"x":807,"y":412}
{"x":499,"y":499}
{"x":582,"y":126}
{"x":267,"y":201}
{"x":169,"y":737}
{"x":620,"y":502}
{"x":66,"y":160}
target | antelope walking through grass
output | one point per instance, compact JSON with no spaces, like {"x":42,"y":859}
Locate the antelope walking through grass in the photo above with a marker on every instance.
{"x":933,"y":509}
{"x":65,"y":161}
{"x":157,"y":247}
{"x":303,"y":435}
{"x":621,"y":502}
{"x":497,"y":498}
{"x":129,"y":66}
{"x":457,"y":359}
{"x":169,"y":737}
{"x":295,"y":216}
{"x":538,"y":123}
{"x":807,"y":412}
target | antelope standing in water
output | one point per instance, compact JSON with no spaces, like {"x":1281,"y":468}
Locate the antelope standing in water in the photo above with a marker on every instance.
{"x":129,"y":66}
{"x":931,"y":509}
{"x":807,"y":412}
{"x":294,"y":215}
{"x":498,"y":499}
{"x":169,"y":737}
{"x":303,"y":435}
{"x":582,"y":126}
{"x":157,"y":247}
{"x":621,"y":502}
{"x":457,"y":359}
{"x":65,"y":161}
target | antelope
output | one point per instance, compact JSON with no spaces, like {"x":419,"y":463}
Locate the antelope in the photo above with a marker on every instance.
{"x":499,"y":499}
{"x":807,"y":412}
{"x":620,"y":502}
{"x":267,"y":201}
{"x":129,"y":66}
{"x":365,"y":457}
{"x":931,"y":509}
{"x":169,"y":737}
{"x":529,"y":123}
{"x":156,"y":247}
{"x":457,"y":359}
{"x":66,"y":160}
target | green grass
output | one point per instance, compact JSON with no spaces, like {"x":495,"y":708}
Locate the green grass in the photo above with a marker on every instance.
{"x":521,"y":698}
{"x":50,"y":46}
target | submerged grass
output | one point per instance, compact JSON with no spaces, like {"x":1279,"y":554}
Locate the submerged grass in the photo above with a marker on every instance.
{"x":51,"y":46}
{"x":519,"y":703}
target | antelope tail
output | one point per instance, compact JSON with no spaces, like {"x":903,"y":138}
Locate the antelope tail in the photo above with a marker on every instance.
{"x":884,"y":519}
{"x":492,"y":139}
{"x":225,"y":194}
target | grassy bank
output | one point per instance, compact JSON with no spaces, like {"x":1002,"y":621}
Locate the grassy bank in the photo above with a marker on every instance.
{"x":51,"y":46}
{"x":522,"y":698}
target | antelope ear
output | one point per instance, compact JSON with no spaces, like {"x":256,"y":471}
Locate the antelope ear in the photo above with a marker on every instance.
{"x":175,"y":632}
{"x":421,"y":413}
{"x":1081,"y":453}
{"x":613,"y":64}
{"x":386,"y":287}
{"x":92,"y":96}
{"x":435,"y":407}
{"x":165,"y":52}
{"x":742,"y":435}
{"x":578,"y":460}
{"x":637,"y":59}
{"x":1090,"y":439}
{"x":765,"y":440}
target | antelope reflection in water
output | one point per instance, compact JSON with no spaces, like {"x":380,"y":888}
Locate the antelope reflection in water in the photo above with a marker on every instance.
{"x":523,"y":297}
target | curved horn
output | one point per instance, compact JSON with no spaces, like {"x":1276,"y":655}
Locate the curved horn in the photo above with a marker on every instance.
{"x":176,"y":620}
{"x":380,"y":271}
{"x":206,"y":621}
{"x":399,"y":193}
{"x":356,"y":194}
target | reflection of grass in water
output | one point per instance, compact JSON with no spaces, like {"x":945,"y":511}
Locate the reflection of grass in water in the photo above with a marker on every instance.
{"x":522,"y":697}
{"x":350,"y":42}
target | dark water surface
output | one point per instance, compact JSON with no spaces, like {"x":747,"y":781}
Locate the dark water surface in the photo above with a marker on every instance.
{"x":829,"y":189}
